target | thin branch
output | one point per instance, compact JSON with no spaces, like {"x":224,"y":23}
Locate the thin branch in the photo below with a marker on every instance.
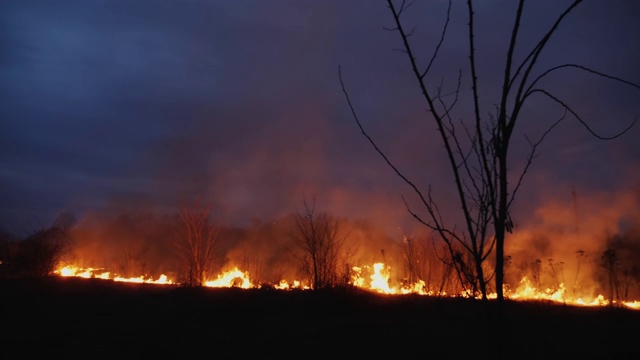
{"x":533,"y":58}
{"x":532,"y":155}
{"x":581,"y":67}
{"x":455,"y":93}
{"x":375,"y":146}
{"x":476,"y":106}
{"x":586,"y":126}
{"x":442,"y":35}
{"x":506,"y":87}
{"x":489,"y":251}
{"x":437,"y":117}
{"x":404,"y":6}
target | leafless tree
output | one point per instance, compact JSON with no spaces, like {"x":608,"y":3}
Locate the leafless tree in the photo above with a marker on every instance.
{"x":610,"y":262}
{"x":321,"y":238}
{"x":478,"y":149}
{"x":196,"y":243}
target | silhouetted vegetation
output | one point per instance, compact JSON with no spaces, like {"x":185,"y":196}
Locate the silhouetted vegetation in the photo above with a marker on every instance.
{"x":195,"y":244}
{"x":621,"y":276}
{"x":321,"y":237}
{"x":39,"y":252}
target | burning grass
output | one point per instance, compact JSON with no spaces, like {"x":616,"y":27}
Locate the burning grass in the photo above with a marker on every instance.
{"x":376,"y":280}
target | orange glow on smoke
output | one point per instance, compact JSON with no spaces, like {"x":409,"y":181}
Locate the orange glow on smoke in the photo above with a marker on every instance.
{"x":557,"y":253}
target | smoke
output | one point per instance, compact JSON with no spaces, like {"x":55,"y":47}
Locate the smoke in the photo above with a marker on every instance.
{"x":564,"y":240}
{"x":132,"y":245}
{"x":129,"y":245}
{"x":586,"y":243}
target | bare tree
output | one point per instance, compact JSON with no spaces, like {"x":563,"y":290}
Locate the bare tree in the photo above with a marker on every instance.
{"x":610,"y":261}
{"x":321,"y":238}
{"x":478,"y":149}
{"x":196,"y":243}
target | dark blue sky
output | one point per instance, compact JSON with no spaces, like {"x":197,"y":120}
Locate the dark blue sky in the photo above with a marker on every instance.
{"x":140,"y":105}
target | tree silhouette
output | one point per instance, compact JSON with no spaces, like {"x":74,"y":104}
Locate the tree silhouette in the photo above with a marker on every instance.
{"x":196,"y":243}
{"x":321,"y":238}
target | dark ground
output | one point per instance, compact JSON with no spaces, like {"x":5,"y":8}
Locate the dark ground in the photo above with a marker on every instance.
{"x":90,"y":318}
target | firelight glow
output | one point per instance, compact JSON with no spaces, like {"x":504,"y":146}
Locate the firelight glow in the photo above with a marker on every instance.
{"x":376,"y":280}
{"x":122,"y":117}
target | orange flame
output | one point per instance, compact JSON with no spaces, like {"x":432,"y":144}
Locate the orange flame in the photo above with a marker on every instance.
{"x":231,"y":278}
{"x":374,"y":278}
{"x":70,"y":270}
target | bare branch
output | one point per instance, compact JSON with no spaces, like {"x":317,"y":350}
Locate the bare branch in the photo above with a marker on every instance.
{"x":476,"y":106}
{"x":442,"y":35}
{"x":437,"y":117}
{"x":533,"y":58}
{"x":419,"y":218}
{"x":375,"y":146}
{"x":584,"y":124}
{"x":410,"y":32}
{"x":581,"y":67}
{"x":455,"y":93}
{"x":404,"y":6}
{"x":538,"y":48}
{"x":532,"y":155}
{"x":489,"y":251}
{"x":506,"y":88}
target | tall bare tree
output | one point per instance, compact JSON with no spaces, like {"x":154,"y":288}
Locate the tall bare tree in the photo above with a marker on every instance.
{"x":196,"y":243}
{"x":321,"y":238}
{"x":478,"y":149}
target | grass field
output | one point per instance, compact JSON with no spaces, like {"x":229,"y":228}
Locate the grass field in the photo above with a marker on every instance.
{"x":92,"y":318}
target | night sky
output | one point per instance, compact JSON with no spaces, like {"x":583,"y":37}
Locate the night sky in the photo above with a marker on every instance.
{"x":143,"y":106}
